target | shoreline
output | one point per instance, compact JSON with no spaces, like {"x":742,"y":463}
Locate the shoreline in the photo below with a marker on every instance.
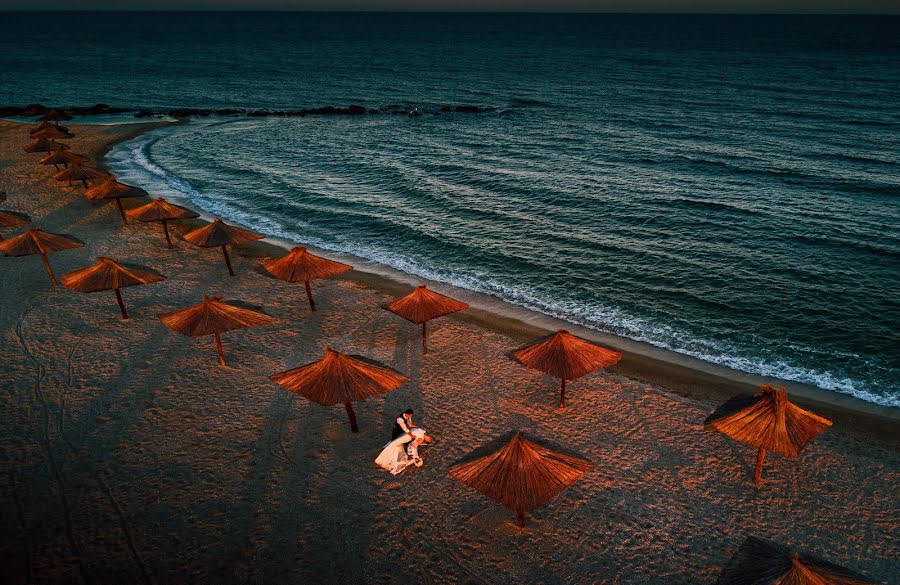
{"x":134,"y":456}
{"x":679,"y":373}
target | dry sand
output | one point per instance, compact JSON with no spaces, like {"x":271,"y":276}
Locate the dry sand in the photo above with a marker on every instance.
{"x":130,"y":456}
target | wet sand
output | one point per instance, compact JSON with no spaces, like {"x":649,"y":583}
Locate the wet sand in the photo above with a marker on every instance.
{"x":130,"y":456}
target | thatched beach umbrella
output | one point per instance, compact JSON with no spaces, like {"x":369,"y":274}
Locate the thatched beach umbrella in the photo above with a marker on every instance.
{"x":769,"y":422}
{"x":56,"y":116}
{"x":44,"y":145}
{"x":162,"y":211}
{"x":113,"y":189}
{"x":213,"y":317}
{"x":77,"y":172}
{"x":35,"y":241}
{"x":340,"y":379}
{"x":423,"y":305}
{"x":522,"y":474}
{"x":43,"y":126}
{"x":302,"y":266}
{"x":761,"y":562}
{"x":51,"y":133}
{"x":11,"y":219}
{"x":564,"y":356}
{"x":107,"y":274}
{"x":64,"y":158}
{"x":219,"y":234}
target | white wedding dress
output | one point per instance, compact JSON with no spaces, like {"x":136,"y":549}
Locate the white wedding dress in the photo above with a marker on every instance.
{"x":393,"y":457}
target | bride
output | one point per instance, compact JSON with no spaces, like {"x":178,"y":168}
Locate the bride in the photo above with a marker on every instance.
{"x":393,"y":457}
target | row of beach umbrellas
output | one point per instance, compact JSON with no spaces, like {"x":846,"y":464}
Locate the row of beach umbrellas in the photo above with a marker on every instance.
{"x":517,"y":471}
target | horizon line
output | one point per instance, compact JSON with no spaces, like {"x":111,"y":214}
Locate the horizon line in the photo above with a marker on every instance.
{"x":736,"y":12}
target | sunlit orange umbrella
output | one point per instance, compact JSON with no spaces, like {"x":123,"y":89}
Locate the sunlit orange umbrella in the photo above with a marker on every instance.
{"x":522,"y":474}
{"x":220,"y":234}
{"x":44,"y":125}
{"x":340,"y":379}
{"x":302,"y":266}
{"x":11,"y":219}
{"x":55,"y":115}
{"x":63,"y":157}
{"x":423,"y":305}
{"x":564,"y":356}
{"x":107,"y":274}
{"x":162,"y":211}
{"x":52,"y":133}
{"x":44,"y":145}
{"x":35,"y":241}
{"x":213,"y":317}
{"x":769,"y":422}
{"x":761,"y":562}
{"x":77,"y":172}
{"x":113,"y":189}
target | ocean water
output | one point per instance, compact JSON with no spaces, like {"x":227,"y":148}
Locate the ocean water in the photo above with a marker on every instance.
{"x":725,"y":187}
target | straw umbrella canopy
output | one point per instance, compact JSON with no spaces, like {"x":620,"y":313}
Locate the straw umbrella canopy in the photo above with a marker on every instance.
{"x":77,"y":172}
{"x":162,"y":211}
{"x":63,"y":157}
{"x":113,"y":189}
{"x":214,"y":317}
{"x":35,"y":241}
{"x":220,"y":234}
{"x":107,"y":274}
{"x":423,"y":305}
{"x":44,"y":145}
{"x":522,"y":474}
{"x":769,"y":422}
{"x":44,"y":125}
{"x":564,"y":356}
{"x":302,"y":266}
{"x":340,"y":379}
{"x":55,"y":115}
{"x":761,"y":562}
{"x":51,"y":133}
{"x":11,"y":219}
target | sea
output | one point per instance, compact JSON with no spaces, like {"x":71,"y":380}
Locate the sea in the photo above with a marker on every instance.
{"x":726,"y":187}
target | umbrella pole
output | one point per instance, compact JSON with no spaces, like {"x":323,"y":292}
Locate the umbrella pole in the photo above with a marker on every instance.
{"x":424,"y":338}
{"x":520,"y":519}
{"x":166,"y":231}
{"x":121,"y":211}
{"x":312,"y":304}
{"x":121,"y":304}
{"x":219,"y":349}
{"x":48,"y":269}
{"x":760,"y":459}
{"x":562,"y":393}
{"x":353,"y":426}
{"x":227,"y":260}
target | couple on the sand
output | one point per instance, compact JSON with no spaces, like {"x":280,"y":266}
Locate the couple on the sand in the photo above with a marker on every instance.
{"x":403,"y":450}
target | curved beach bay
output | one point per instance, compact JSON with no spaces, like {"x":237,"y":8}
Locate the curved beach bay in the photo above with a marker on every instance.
{"x":132,"y":456}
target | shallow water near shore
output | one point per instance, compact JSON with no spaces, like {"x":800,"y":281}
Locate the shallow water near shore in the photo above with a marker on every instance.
{"x":725,"y":189}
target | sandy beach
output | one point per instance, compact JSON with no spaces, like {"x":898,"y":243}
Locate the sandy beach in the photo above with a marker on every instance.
{"x":130,"y":456}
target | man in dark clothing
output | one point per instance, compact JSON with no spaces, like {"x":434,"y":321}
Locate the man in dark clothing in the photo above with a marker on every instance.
{"x":404,"y":425}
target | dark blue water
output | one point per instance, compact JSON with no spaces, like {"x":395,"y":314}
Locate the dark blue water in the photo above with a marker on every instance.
{"x":727,"y":187}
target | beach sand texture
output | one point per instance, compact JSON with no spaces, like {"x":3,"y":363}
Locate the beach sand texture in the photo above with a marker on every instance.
{"x":130,"y":456}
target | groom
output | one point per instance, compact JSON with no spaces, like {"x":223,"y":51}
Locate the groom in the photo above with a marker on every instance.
{"x":404,"y":425}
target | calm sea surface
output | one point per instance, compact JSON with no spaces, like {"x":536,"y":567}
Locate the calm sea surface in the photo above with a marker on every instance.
{"x":726,"y":187}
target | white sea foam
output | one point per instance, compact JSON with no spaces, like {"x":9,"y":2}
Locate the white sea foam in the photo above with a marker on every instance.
{"x":131,"y":161}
